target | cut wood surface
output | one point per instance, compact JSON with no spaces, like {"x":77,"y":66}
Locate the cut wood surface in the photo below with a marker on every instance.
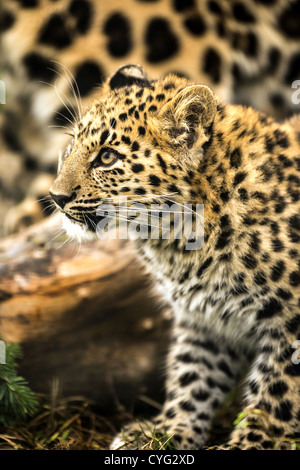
{"x":84,"y":315}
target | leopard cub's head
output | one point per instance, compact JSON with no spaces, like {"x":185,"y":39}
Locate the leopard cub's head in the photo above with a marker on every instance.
{"x":139,"y":140}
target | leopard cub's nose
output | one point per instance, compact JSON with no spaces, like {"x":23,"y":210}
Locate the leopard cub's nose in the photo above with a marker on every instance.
{"x":62,"y":199}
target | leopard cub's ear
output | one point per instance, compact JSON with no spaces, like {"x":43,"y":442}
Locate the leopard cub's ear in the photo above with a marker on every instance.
{"x":186,"y":119}
{"x":129,"y":75}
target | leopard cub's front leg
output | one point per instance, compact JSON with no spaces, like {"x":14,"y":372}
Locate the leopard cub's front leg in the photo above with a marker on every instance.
{"x":200,"y":372}
{"x":271,"y":416}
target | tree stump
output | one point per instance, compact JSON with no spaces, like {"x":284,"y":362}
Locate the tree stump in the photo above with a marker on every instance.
{"x":84,"y":315}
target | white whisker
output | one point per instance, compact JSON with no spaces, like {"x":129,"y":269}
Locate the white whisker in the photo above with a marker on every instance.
{"x":190,"y":210}
{"x":71,"y":81}
{"x":58,"y":92}
{"x":59,"y":233}
{"x":56,"y":126}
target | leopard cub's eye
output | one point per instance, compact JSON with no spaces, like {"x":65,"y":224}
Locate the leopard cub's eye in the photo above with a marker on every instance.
{"x":108,"y":158}
{"x":105,"y":159}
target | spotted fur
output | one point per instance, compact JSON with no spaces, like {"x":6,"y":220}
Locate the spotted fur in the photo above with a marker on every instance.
{"x":236,"y":300}
{"x":246,"y":51}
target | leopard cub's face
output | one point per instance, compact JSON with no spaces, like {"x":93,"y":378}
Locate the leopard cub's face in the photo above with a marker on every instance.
{"x":136,"y":143}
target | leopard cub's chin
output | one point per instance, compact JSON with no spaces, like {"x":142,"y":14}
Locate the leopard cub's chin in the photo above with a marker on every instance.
{"x":76,"y":230}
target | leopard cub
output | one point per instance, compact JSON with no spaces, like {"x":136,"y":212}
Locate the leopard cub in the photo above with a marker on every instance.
{"x":236,"y":299}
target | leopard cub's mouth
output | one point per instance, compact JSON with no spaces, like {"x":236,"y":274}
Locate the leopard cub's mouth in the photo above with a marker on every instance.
{"x":72,"y":218}
{"x":84,"y":228}
{"x":77,"y":229}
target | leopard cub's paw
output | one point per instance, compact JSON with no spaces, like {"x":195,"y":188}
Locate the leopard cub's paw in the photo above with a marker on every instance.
{"x":139,"y":435}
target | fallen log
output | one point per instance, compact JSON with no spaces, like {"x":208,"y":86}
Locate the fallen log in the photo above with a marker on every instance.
{"x":84,"y":316}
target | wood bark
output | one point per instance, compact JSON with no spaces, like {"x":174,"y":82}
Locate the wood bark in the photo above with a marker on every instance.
{"x":84,"y":316}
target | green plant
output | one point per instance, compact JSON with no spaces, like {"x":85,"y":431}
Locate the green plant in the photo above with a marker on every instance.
{"x":17,"y":401}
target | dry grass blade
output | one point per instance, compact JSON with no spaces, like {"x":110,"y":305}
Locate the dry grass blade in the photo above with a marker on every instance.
{"x":72,"y":424}
{"x":10,"y":441}
{"x":66,"y":424}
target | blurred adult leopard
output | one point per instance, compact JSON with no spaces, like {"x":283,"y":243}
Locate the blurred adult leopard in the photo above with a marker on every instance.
{"x":237,"y":298}
{"x":246,"y":51}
